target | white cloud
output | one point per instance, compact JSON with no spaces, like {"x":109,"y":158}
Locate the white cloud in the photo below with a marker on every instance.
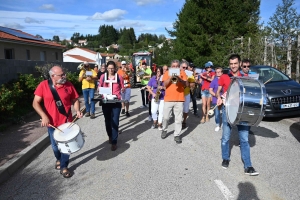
{"x":47,"y":7}
{"x":109,"y":16}
{"x":145,"y":2}
{"x":31,"y":20}
{"x":128,"y":24}
{"x":12,"y":25}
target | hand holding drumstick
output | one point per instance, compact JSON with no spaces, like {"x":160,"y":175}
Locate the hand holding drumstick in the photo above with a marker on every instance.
{"x":51,"y":126}
{"x":211,"y":111}
{"x":79,"y":115}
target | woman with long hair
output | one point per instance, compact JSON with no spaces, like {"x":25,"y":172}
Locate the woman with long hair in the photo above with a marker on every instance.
{"x":111,"y":111}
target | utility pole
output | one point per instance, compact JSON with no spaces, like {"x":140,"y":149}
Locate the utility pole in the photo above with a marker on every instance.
{"x":249,"y":44}
{"x":272,"y":53}
{"x":298,"y":59}
{"x":265,"y":51}
{"x":289,"y":58}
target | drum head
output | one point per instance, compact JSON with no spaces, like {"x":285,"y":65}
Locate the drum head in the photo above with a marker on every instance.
{"x":68,"y":133}
{"x":233,"y":101}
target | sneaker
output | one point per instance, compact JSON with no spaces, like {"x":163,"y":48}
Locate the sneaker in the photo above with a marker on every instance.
{"x":92,"y":116}
{"x":127,"y":114}
{"x":163,"y":134}
{"x":153,"y":126}
{"x":159,"y":126}
{"x":225,"y":164}
{"x":251,"y":171}
{"x":196,"y":114}
{"x":147,"y":105}
{"x":143,"y":106}
{"x":217,"y":128}
{"x":123,"y":111}
{"x":149,"y":118}
{"x":87,"y":114}
{"x":177,"y":139}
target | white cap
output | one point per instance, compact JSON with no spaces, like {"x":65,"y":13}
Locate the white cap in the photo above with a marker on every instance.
{"x":210,"y":63}
{"x":123,"y":62}
{"x":86,"y":63}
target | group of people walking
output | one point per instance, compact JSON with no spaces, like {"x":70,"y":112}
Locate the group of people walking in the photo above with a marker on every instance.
{"x":166,"y":95}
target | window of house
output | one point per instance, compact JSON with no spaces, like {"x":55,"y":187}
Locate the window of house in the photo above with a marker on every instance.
{"x":43,"y":56}
{"x":28,"y":54}
{"x":9,"y":54}
{"x":56,"y":56}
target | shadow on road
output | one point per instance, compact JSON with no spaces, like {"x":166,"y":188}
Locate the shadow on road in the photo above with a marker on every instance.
{"x":295,"y":130}
{"x":247,"y":191}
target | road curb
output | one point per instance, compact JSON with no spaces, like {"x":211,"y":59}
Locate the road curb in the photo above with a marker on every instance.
{"x":20,"y":160}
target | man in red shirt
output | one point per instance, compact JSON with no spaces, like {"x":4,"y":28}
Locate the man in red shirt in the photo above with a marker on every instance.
{"x":51,"y":115}
{"x":243,"y":130}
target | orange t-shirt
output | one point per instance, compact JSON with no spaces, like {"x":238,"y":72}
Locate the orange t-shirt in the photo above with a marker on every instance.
{"x":125,"y":77}
{"x":175,"y":92}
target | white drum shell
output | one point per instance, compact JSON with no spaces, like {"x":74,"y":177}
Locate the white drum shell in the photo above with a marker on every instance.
{"x":245,"y":101}
{"x":71,"y":140}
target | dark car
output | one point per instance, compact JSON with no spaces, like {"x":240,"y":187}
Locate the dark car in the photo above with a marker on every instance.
{"x":283,"y":93}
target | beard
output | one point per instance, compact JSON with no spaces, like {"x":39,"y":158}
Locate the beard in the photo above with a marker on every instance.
{"x":61,"y":81}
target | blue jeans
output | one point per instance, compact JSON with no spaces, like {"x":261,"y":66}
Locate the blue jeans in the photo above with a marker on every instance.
{"x":111,"y":112}
{"x":63,"y":158}
{"x":243,"y":135}
{"x":217,"y":115}
{"x":88,"y":94}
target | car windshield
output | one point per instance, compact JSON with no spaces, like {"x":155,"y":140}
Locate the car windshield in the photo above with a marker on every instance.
{"x":267,"y":74}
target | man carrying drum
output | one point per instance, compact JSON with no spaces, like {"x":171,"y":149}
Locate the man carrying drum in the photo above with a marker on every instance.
{"x":51,"y":115}
{"x":243,"y":130}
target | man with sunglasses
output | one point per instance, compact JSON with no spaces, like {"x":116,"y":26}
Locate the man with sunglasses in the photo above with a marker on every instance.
{"x":245,"y":65}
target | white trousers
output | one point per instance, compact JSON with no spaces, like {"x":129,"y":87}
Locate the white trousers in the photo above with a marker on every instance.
{"x":177,"y":110}
{"x":157,"y":106}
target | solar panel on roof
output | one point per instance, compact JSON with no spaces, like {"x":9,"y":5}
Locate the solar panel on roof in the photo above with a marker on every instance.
{"x":19,"y":34}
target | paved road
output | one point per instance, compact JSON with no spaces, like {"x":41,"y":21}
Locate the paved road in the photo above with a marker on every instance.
{"x":147,"y":167}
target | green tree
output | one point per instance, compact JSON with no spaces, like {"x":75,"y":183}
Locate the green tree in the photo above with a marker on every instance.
{"x":285,"y":25}
{"x":108,"y":35}
{"x":55,"y":38}
{"x":206,"y":30}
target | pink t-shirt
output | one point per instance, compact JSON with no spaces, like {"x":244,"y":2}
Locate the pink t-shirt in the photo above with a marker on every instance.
{"x":116,"y":87}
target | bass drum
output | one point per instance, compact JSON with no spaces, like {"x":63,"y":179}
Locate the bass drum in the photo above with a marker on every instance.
{"x":245,"y":101}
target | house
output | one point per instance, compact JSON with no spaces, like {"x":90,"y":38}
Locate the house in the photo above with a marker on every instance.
{"x":18,"y":45}
{"x":82,"y":42}
{"x":79,"y":54}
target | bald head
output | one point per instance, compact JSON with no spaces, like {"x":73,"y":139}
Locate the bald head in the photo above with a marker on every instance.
{"x":57,"y":75}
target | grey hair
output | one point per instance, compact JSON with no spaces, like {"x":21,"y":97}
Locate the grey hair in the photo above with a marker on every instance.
{"x":185,"y":62}
{"x":51,"y":72}
{"x":175,"y":61}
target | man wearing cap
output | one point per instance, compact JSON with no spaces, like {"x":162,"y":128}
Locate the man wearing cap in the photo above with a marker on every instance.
{"x":206,"y":77}
{"x":88,"y":76}
{"x":127,"y":92}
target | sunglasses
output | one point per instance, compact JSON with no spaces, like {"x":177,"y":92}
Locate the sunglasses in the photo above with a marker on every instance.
{"x":246,"y":66}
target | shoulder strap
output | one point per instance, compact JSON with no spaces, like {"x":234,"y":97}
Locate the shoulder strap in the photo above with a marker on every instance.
{"x":58,"y":102}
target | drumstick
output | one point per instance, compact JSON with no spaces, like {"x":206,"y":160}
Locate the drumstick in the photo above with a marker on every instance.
{"x":268,"y":80}
{"x":210,"y":112}
{"x":75,"y":118}
{"x":54,"y":127}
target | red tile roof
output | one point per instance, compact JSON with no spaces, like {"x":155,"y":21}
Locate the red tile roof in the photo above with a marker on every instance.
{"x":81,"y":58}
{"x":7,"y":36}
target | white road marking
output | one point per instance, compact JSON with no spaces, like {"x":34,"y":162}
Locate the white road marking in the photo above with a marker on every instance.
{"x":225,"y":191}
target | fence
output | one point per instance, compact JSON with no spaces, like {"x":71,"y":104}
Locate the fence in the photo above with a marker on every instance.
{"x":9,"y":69}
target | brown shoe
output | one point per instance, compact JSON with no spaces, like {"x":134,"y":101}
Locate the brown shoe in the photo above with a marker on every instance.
{"x":92,"y":116}
{"x":113,"y":147}
{"x":202,"y":120}
{"x":87,"y":114}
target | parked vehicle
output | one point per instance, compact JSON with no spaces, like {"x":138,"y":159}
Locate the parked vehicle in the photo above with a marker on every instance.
{"x":137,"y":59}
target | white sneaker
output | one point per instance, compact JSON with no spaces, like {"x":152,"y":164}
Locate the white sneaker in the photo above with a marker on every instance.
{"x":217,"y":128}
{"x":147,"y":105}
{"x":149,"y":118}
{"x":142,"y":106}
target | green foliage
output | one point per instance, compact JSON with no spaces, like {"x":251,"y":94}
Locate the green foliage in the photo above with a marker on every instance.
{"x":206,"y":30}
{"x":73,"y":78}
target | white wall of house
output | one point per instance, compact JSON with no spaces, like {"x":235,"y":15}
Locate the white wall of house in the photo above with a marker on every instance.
{"x":70,"y":59}
{"x":81,"y":52}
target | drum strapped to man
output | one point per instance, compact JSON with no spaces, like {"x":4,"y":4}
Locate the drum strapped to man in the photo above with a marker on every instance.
{"x":70,"y":140}
{"x":245,"y":102}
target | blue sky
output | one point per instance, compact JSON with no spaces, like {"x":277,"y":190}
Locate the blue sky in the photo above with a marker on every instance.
{"x":64,"y":17}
